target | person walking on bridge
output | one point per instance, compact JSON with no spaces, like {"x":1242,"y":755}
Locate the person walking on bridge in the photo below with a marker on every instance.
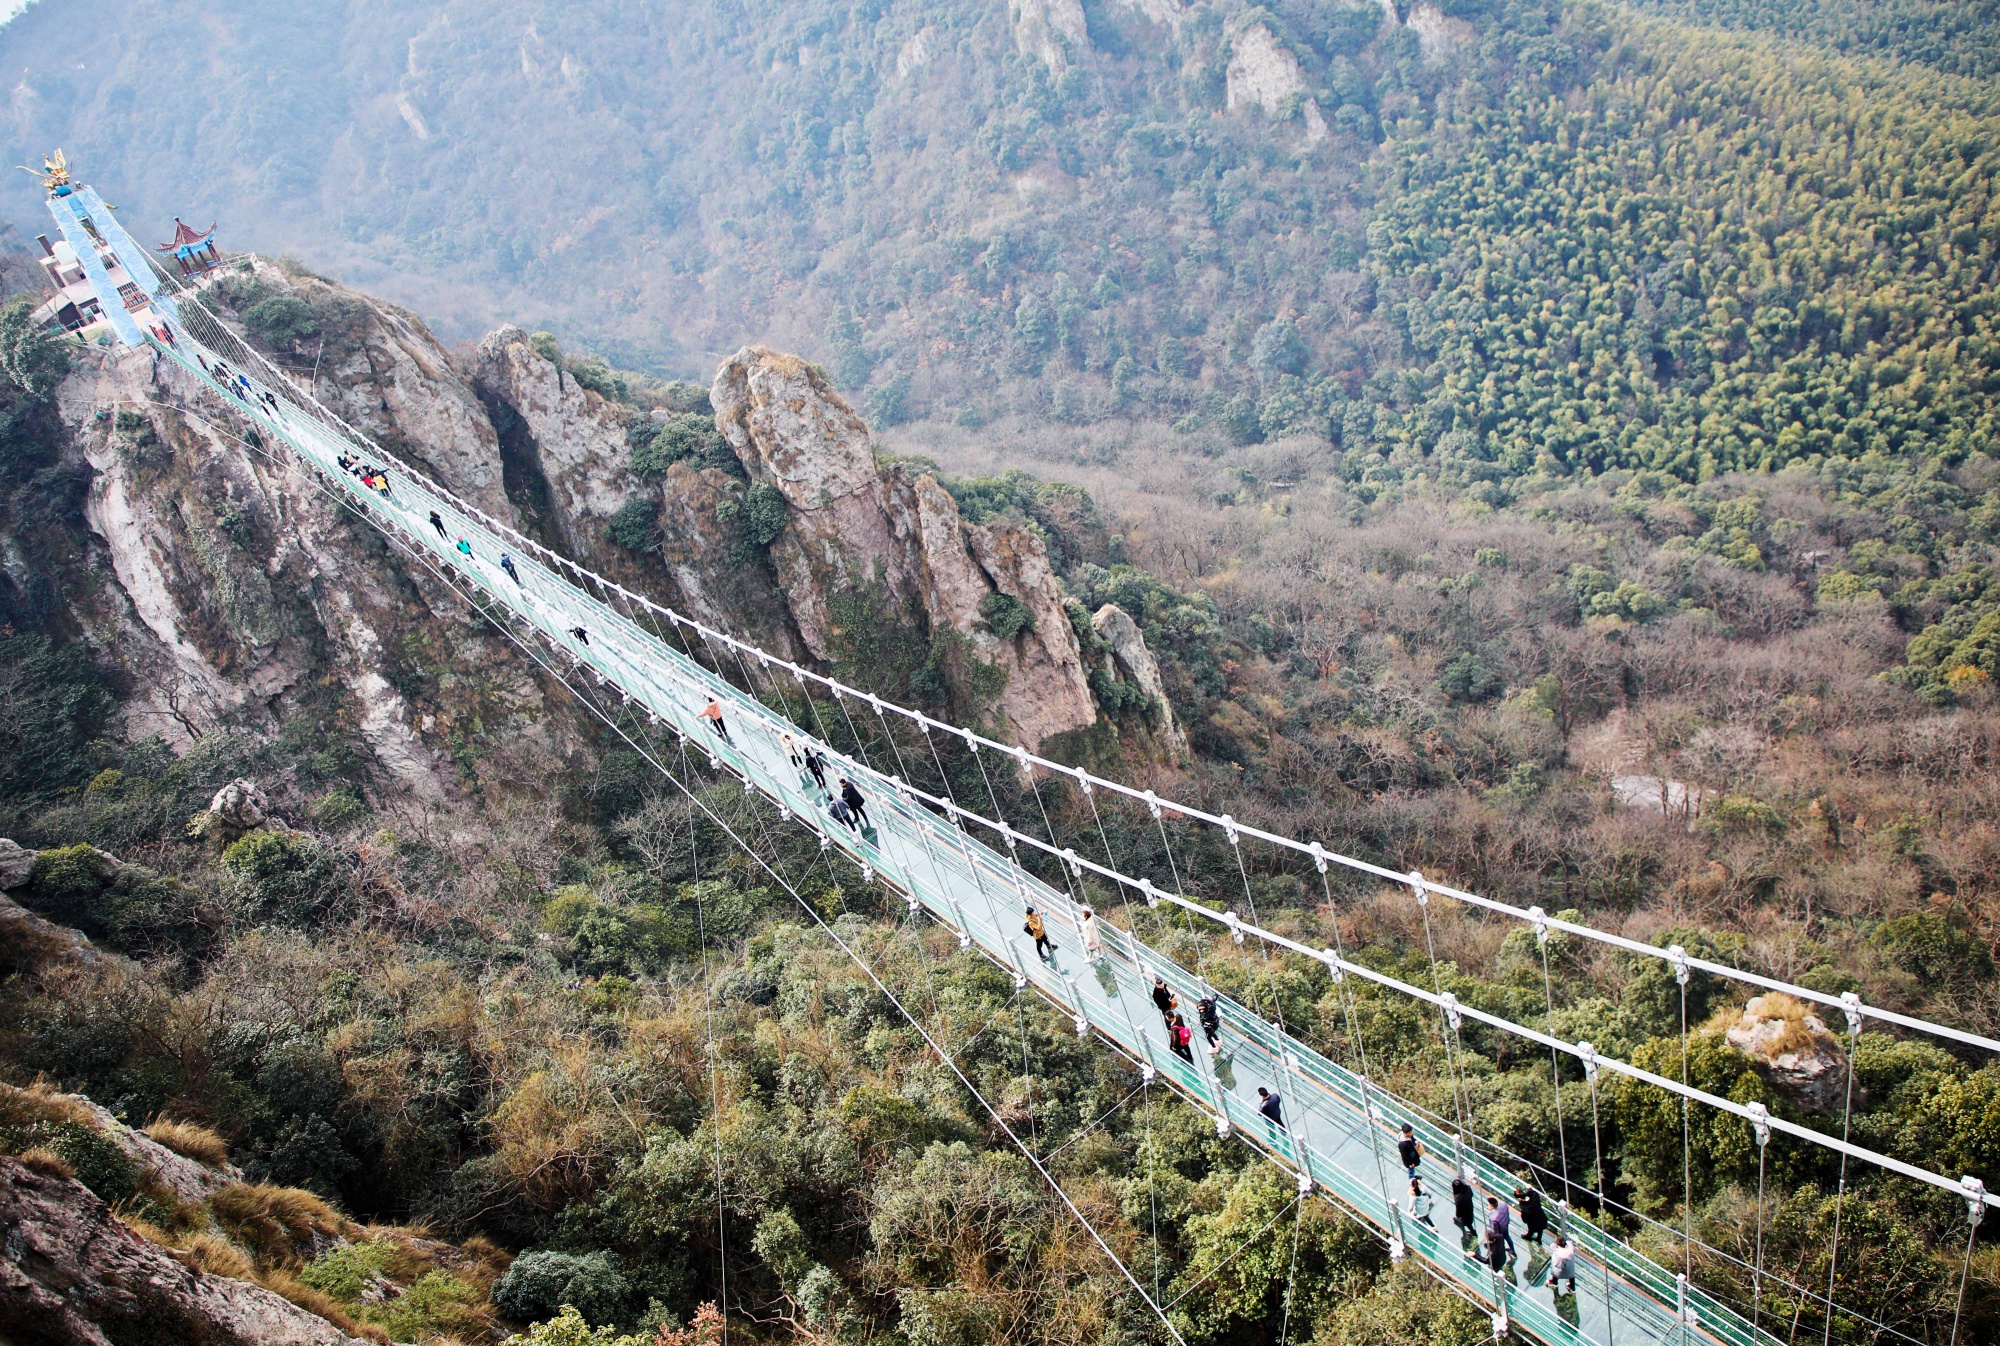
{"x":1093,"y":942}
{"x":1462,"y":1211}
{"x":507,"y":564}
{"x":1534,"y":1217}
{"x":1420,"y":1204}
{"x":1562,"y":1266}
{"x":1271,"y":1107}
{"x":1210,"y":1017}
{"x":1032,"y":927}
{"x":1499,"y":1236}
{"x":855,"y":802}
{"x":1163,"y":999}
{"x":712,"y":712}
{"x":1183,"y":1039}
{"x":436,"y":523}
{"x":817,"y":765}
{"x":464,"y":549}
{"x":582,"y":636}
{"x":1411,"y":1151}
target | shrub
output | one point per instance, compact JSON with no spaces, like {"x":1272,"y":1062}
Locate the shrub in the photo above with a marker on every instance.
{"x":53,"y":702}
{"x":1005,"y":615}
{"x":92,"y":1157}
{"x":568,"y":1328}
{"x":682,"y":435}
{"x":438,"y":1304}
{"x":1468,"y":680}
{"x":636,"y":525}
{"x":281,"y":319}
{"x":1931,"y":947}
{"x":346,"y":1271}
{"x":288,"y":878}
{"x":191,"y":1141}
{"x":758,"y":515}
{"x":542,"y":1284}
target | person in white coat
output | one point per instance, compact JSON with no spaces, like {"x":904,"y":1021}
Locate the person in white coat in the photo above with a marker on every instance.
{"x":1093,"y":942}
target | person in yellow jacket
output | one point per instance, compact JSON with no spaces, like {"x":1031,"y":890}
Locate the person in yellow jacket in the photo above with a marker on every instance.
{"x":1033,"y":926}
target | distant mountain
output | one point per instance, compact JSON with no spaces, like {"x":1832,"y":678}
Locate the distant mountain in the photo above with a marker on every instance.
{"x":1472,"y":241}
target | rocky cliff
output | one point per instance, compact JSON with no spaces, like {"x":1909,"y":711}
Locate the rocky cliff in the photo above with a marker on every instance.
{"x":228,"y":590}
{"x":985,"y":595}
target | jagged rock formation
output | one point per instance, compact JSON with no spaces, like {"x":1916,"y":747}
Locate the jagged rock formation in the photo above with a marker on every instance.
{"x":240,"y":804}
{"x":1792,"y":1048}
{"x":1168,"y":12}
{"x":858,"y":525}
{"x":1263,"y":73}
{"x":1115,"y":627}
{"x":230,"y":589}
{"x":72,"y":1274}
{"x":568,"y":468}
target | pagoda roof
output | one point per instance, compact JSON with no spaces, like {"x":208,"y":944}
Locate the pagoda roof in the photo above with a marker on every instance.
{"x":185,"y":237}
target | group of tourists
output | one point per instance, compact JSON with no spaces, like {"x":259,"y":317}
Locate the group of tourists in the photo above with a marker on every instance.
{"x":375,"y":479}
{"x":239,"y":385}
{"x":1495,"y":1230}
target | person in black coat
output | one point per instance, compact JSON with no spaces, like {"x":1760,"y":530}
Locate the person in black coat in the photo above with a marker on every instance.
{"x":1534,"y":1219}
{"x":1463,"y":1211}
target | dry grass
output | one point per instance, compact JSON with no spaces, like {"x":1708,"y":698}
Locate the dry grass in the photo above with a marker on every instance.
{"x":326,"y":1306}
{"x":191,"y":1141}
{"x":217,"y":1256}
{"x":283,"y":1227}
{"x":42,"y":1102}
{"x":47,"y":1162}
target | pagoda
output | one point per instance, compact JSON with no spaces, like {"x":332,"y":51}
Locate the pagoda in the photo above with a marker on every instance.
{"x":194,"y":251}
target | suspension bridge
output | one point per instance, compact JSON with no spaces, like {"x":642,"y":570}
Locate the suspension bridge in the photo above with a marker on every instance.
{"x":641,"y":668}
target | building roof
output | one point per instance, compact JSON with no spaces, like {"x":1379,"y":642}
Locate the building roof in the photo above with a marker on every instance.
{"x":185,"y":239}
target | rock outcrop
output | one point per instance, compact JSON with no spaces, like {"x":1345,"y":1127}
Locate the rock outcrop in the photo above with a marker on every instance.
{"x":240,"y":805}
{"x":1438,"y":37}
{"x":1115,"y":627}
{"x":1793,"y":1048}
{"x":1050,"y":30}
{"x":17,"y":865}
{"x":73,"y":1274}
{"x":857,"y":527}
{"x":1264,"y":73}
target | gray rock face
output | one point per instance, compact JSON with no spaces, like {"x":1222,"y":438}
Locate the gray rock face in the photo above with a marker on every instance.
{"x":856,"y":524}
{"x":17,"y":865}
{"x":240,"y":804}
{"x":1115,"y":627}
{"x":1793,"y":1048}
{"x":75,"y":1275}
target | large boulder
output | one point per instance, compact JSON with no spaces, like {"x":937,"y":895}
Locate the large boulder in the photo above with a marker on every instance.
{"x":1793,"y":1048}
{"x":240,"y":805}
{"x":17,"y":865}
